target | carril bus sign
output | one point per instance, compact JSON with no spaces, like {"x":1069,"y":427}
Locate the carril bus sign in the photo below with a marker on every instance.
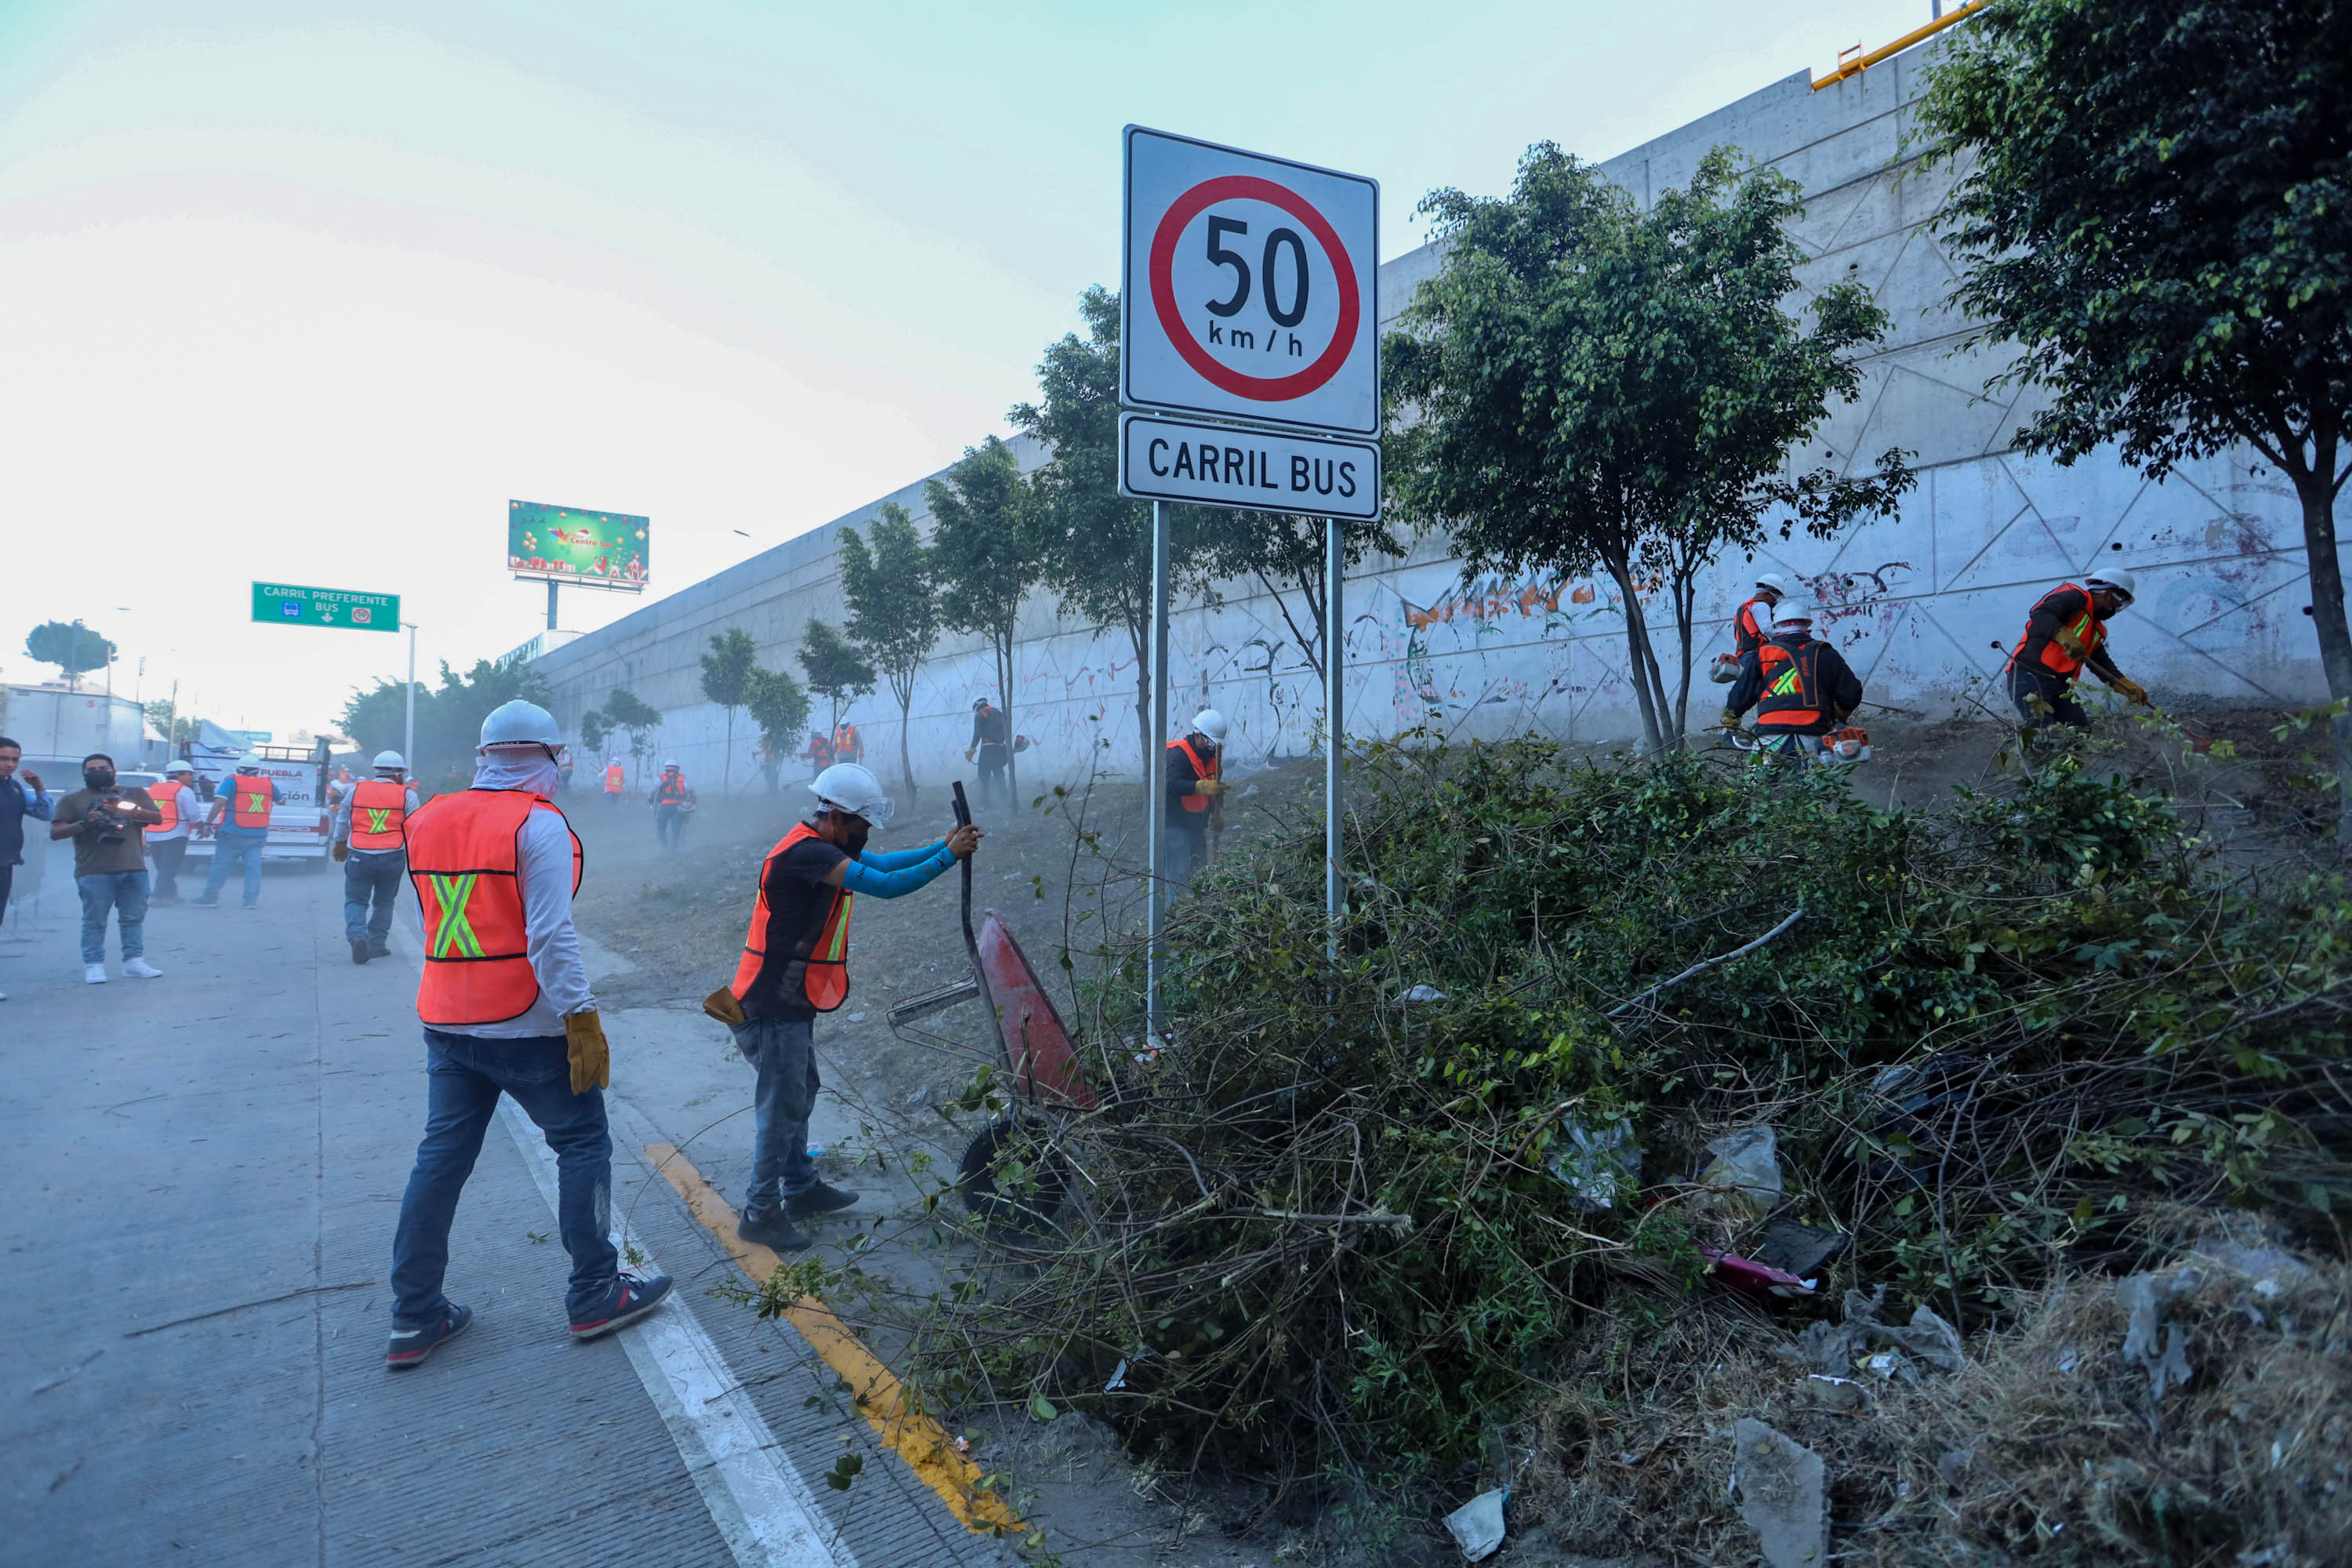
{"x":286,"y":605}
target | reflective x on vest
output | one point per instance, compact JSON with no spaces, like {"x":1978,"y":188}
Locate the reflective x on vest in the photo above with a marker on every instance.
{"x":453,"y":935}
{"x":1792,"y":676}
{"x":166,"y":797}
{"x":2087,"y":629}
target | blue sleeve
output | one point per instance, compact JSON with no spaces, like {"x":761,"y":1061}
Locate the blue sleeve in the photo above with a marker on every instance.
{"x":858,"y":877}
{"x":899,"y":859}
{"x":37,"y":804}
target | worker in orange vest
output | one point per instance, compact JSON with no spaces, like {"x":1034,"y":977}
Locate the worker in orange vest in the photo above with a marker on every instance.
{"x":1195,"y":781}
{"x":167,"y":841}
{"x":1800,"y":689}
{"x":616,"y":783}
{"x":370,"y":833}
{"x":506,"y":1010}
{"x":2065,"y":633}
{"x":846,"y":746}
{"x":671,"y":799}
{"x":239,"y":824}
{"x":795,"y":964}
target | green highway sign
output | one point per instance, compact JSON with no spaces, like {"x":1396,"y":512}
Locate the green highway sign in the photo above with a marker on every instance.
{"x":287,"y":605}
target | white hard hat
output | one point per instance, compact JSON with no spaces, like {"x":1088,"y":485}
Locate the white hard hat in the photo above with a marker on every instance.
{"x":846,"y":786}
{"x":1210,"y":722}
{"x":390,"y":760}
{"x":1793,"y":612}
{"x":669,"y":762}
{"x":1772,"y":580}
{"x":179,"y":765}
{"x":2121,"y":581}
{"x":521,"y":723}
{"x":249,"y":764}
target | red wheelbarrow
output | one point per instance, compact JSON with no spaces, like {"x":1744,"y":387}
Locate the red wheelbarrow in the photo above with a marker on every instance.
{"x":1039,"y":1061}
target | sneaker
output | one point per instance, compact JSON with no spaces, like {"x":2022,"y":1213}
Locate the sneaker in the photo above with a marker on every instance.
{"x":202,"y":902}
{"x":410,"y":1346}
{"x":93,"y":975}
{"x":773,"y":1231}
{"x":358,"y":953}
{"x":139,"y":969}
{"x":631,"y":1296}
{"x":819,"y":1199}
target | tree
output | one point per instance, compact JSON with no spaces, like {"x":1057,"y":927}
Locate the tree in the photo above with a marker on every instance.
{"x":836,"y":671}
{"x":176,"y":728}
{"x":894,"y":610}
{"x":1095,"y":545}
{"x":629,"y":711}
{"x":594,"y":729}
{"x":1603,"y":386}
{"x":726,"y":676}
{"x":2152,"y":205}
{"x":985,"y":556}
{"x":1285,"y":553}
{"x":780,"y":707}
{"x":448,"y":719}
{"x":70,"y":646}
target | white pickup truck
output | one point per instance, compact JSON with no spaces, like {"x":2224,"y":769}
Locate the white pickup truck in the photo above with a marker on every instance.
{"x":299,"y":822}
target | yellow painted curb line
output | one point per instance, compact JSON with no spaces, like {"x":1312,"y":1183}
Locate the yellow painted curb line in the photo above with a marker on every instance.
{"x":923,"y":1442}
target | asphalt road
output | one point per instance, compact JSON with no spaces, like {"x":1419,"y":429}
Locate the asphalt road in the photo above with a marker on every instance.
{"x":197,"y":1215}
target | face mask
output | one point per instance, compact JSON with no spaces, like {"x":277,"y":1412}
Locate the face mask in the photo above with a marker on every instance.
{"x":98,"y":778}
{"x":857,"y":845}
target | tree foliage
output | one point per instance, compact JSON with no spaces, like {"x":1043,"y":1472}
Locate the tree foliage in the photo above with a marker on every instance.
{"x":894,"y":608}
{"x":627,"y":711}
{"x":779,"y":706}
{"x":448,"y":718}
{"x":726,"y":677}
{"x":594,"y":729}
{"x":985,"y":550}
{"x":836,"y":671}
{"x":1603,"y":387}
{"x":2155,"y":203}
{"x":72,"y":647}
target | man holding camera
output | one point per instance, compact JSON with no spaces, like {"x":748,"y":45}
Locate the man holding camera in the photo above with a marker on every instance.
{"x":106,"y":823}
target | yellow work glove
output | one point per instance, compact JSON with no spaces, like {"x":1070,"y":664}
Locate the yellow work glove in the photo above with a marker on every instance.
{"x":1730,"y":718}
{"x":2072,"y":645}
{"x":2130,"y":690}
{"x":342,"y":852}
{"x":1209,"y":788}
{"x":592,"y":1060}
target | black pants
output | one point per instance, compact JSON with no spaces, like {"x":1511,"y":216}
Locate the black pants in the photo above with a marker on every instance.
{"x":167,"y":854}
{"x":8,"y":877}
{"x":992,"y":780}
{"x":669,"y":827}
{"x":2044,"y":697}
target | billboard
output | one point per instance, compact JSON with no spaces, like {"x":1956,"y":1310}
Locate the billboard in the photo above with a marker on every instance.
{"x":565,"y":544}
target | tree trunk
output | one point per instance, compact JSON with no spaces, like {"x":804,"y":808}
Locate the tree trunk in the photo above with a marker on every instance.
{"x":727,"y":768}
{"x":1686,"y":591}
{"x":1012,"y":739}
{"x":1637,"y":648}
{"x":905,"y":767}
{"x":2314,"y":487}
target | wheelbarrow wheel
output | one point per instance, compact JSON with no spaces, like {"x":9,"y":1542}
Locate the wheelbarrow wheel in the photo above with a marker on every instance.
{"x":1011,"y":1183}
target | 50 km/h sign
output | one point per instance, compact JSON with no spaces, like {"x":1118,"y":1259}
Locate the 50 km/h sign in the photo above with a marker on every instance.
{"x":288,"y":606}
{"x":1249,"y":287}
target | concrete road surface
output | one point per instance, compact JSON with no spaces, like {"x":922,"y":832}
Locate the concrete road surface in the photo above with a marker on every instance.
{"x":197,"y":1207}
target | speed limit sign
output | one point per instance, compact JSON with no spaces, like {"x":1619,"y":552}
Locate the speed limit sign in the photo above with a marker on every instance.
{"x":1250,"y":287}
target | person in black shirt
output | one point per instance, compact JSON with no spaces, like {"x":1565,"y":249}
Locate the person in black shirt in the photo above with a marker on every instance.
{"x":991,"y":740}
{"x":1196,"y":785}
{"x":1800,"y":689}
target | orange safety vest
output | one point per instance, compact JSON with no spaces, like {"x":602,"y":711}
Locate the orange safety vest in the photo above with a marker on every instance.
{"x":379,"y":815}
{"x":845,"y":741}
{"x":463,"y":853}
{"x":1792,"y":685}
{"x":673,"y":791}
{"x":1202,"y":769}
{"x":166,"y":797}
{"x":1749,"y":632}
{"x":2087,"y":629}
{"x":824,"y":976}
{"x":613,"y":779}
{"x":249,"y":799}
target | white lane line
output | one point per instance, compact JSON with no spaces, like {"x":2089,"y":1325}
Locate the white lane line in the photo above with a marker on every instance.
{"x":767,"y":1515}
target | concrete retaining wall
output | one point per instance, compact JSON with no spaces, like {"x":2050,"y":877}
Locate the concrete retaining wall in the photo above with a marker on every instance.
{"x":1916,"y":602}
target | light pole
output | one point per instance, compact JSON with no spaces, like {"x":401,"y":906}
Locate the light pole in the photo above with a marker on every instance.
{"x":408,"y":692}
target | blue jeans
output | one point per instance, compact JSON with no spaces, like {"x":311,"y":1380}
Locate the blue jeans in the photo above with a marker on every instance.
{"x":669,"y":828}
{"x":124,"y":892}
{"x":784,"y":1052}
{"x":372,"y":877}
{"x":231,"y":845}
{"x":465,"y":1075}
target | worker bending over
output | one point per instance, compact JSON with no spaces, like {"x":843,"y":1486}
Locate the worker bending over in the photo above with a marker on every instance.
{"x":795,"y":964}
{"x":506,"y":1008}
{"x":1800,"y":689}
{"x":2065,"y":633}
{"x":1195,"y":781}
{"x":671,"y":799}
{"x":370,"y":839}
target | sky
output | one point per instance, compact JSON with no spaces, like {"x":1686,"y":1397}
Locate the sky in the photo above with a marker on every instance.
{"x":307,"y":293}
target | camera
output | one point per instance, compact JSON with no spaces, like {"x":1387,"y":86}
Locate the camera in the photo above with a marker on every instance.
{"x":111,"y":829}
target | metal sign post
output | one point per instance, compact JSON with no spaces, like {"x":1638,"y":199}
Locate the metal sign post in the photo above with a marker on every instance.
{"x":1249,"y":339}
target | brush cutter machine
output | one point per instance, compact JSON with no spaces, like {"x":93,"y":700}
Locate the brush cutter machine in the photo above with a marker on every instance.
{"x":1040,"y":1063}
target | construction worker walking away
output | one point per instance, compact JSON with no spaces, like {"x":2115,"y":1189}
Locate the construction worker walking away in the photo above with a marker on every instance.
{"x":992,"y":742}
{"x":239,"y":826}
{"x":671,"y":799}
{"x":616,"y":783}
{"x":506,"y":1008}
{"x":795,"y":965}
{"x":817,"y":755}
{"x":2065,"y":633}
{"x":1195,"y":781}
{"x":167,"y":841}
{"x":847,"y":745}
{"x":1800,"y":689}
{"x":370,"y":839}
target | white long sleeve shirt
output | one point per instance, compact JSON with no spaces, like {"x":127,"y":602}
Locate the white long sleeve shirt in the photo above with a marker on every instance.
{"x":341,"y":829}
{"x":544,"y":876}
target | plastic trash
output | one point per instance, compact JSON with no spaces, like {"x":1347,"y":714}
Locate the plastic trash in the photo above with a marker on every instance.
{"x":1478,"y":1525}
{"x":1596,"y":1163}
{"x":1743,"y":1176}
{"x":1424,"y":994}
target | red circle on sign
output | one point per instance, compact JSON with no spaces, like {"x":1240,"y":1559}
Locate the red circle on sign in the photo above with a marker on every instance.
{"x":1262,"y":389}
